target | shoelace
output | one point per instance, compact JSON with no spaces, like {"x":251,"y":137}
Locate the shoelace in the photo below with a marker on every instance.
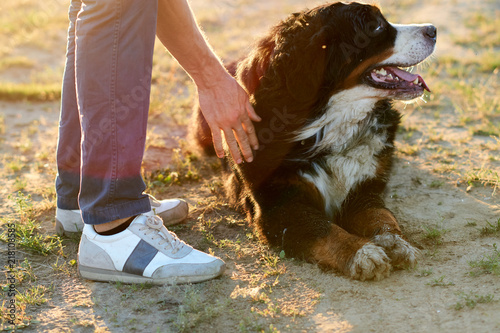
{"x":154,"y":224}
{"x":154,"y":202}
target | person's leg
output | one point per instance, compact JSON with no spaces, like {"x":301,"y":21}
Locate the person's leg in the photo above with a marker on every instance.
{"x":114,"y":51}
{"x":68,"y":146}
{"x":68,"y":218}
{"x":68,"y":215}
{"x":115,"y":40}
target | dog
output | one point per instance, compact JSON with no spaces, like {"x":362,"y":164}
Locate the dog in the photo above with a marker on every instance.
{"x":323,"y":82}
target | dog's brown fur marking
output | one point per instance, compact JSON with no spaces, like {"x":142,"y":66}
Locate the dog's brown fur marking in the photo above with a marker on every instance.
{"x":353,"y":79}
{"x":336,"y":249}
{"x":374,"y":221}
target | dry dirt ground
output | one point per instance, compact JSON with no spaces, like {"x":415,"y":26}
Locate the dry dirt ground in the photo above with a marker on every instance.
{"x":443,"y":190}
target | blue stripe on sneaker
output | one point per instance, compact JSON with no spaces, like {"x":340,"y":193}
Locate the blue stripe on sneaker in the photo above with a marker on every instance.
{"x":139,"y":258}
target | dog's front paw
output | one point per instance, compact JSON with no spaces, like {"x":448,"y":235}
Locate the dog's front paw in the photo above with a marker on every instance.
{"x":369,"y":262}
{"x":399,"y":250}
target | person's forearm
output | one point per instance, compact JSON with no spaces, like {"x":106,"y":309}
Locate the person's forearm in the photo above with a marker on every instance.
{"x":179,"y":33}
{"x":222,"y":100}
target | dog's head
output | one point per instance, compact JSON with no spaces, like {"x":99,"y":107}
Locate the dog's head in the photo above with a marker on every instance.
{"x":316,"y":53}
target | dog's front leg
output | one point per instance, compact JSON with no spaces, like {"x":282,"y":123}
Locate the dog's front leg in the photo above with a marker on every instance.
{"x":366,"y":216}
{"x":305,"y":232}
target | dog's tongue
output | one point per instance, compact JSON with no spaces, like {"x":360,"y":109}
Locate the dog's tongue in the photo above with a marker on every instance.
{"x":408,"y":76}
{"x":404,"y":74}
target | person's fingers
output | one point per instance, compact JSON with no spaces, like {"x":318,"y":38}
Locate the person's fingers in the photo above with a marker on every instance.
{"x":243,"y":142}
{"x":251,"y":112}
{"x":217,"y":140}
{"x":232,"y":145}
{"x":250,"y":132}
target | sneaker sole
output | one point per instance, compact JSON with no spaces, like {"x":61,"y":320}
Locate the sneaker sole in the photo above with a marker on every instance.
{"x":62,"y":232}
{"x":98,"y":274}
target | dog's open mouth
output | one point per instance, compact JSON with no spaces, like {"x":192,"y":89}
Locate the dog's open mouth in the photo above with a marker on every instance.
{"x":403,"y":83}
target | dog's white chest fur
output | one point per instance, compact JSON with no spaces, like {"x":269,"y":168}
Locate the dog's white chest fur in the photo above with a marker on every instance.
{"x":344,"y":132}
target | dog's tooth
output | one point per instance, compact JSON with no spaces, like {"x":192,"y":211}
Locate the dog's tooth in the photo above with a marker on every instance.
{"x":416,"y":81}
{"x":390,"y":77}
{"x":396,"y":78}
{"x":383,"y":71}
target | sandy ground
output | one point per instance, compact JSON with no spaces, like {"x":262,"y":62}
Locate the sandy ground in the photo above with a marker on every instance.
{"x":256,"y":293}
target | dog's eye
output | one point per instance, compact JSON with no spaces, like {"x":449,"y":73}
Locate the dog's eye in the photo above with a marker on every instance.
{"x":375,"y":27}
{"x":379,"y":28}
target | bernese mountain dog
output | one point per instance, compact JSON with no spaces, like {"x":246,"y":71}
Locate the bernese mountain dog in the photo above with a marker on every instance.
{"x":323,"y":81}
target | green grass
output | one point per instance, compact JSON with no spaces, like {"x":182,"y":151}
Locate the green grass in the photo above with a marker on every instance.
{"x":489,"y":264}
{"x":440,"y":282}
{"x":29,"y":240}
{"x":434,"y":233}
{"x":425,"y":273}
{"x":194,"y":309}
{"x":483,"y":30}
{"x":468,"y":94}
{"x":27,"y":229}
{"x":486,"y":61}
{"x":436,"y":184}
{"x":185,"y":167}
{"x":489,"y":61}
{"x":24,"y":143}
{"x":35,"y":295}
{"x":20,"y":184}
{"x":16,"y":62}
{"x":28,"y":293}
{"x":485,"y":177}
{"x":23,"y":320}
{"x":491,"y":228}
{"x":469,"y":85}
{"x":15,"y":164}
{"x":31,"y":92}
{"x":33,"y":23}
{"x":471,"y":300}
{"x":273,"y":265}
{"x":65,"y":267}
{"x":408,"y":149}
{"x":487,"y":129}
{"x":23,"y":272}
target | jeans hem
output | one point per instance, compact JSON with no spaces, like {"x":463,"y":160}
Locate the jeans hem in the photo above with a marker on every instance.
{"x":115,"y":212}
{"x":69,"y":203}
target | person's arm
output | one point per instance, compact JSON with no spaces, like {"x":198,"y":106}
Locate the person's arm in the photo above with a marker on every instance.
{"x":223,"y":101}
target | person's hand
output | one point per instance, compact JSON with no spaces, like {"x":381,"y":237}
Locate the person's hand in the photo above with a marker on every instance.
{"x":226,"y":108}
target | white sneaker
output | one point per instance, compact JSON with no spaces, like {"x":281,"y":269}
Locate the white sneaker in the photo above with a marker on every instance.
{"x":144,"y":252}
{"x":68,"y":222}
{"x":172,"y":211}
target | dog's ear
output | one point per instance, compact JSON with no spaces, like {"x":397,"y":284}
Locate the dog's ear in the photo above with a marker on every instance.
{"x":304,"y":69}
{"x":298,"y":62}
{"x":303,"y":66}
{"x":251,"y":70}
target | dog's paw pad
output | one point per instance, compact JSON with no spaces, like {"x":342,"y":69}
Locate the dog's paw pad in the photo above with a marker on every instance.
{"x":399,"y":251}
{"x":370,"y":262}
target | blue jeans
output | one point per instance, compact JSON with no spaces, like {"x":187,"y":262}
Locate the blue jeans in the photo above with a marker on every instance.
{"x":104,"y":108}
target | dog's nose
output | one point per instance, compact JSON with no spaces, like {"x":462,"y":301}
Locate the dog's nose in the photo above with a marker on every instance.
{"x":430,"y":32}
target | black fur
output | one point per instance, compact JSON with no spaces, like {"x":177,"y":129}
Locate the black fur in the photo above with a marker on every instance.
{"x":291,"y":75}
